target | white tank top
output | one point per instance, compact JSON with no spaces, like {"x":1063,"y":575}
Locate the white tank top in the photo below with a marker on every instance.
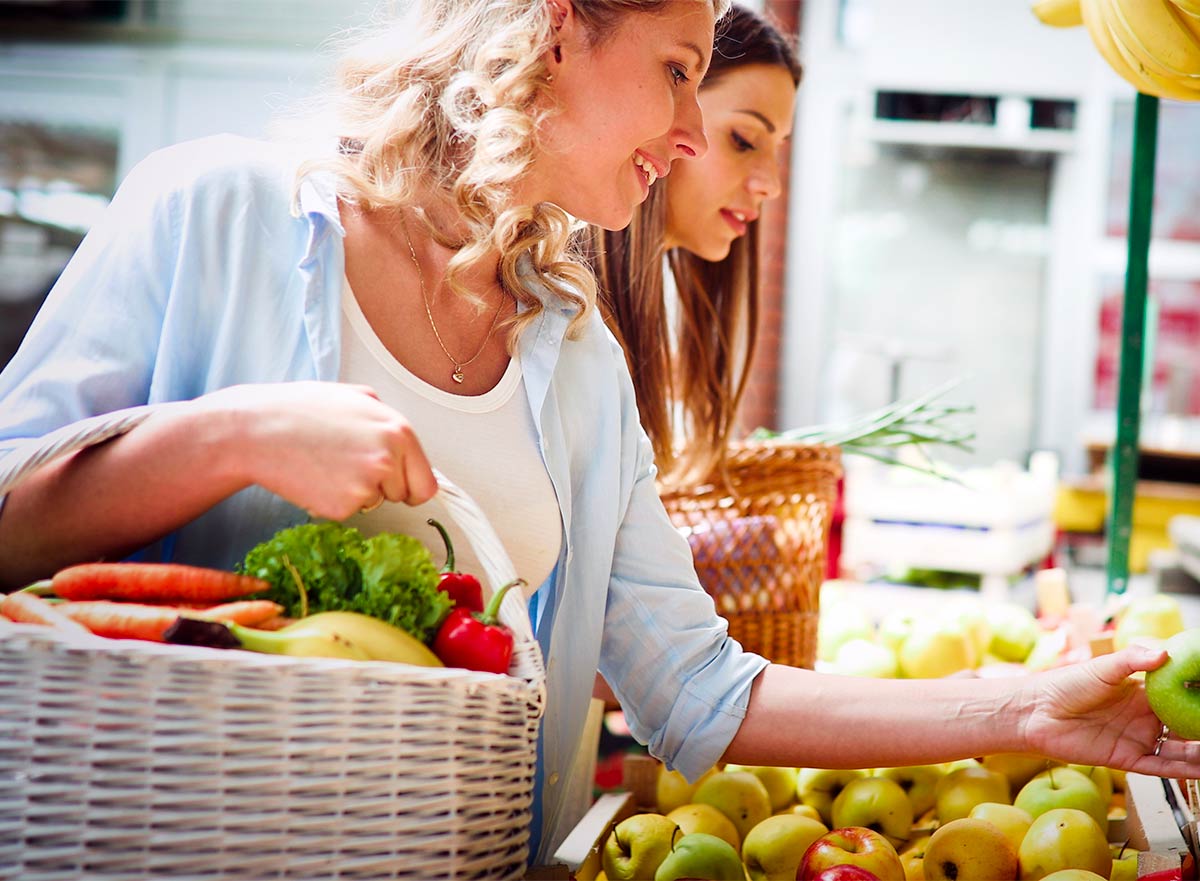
{"x":487,"y":444}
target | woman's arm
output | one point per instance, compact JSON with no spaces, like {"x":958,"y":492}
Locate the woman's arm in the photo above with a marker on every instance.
{"x":325,"y":447}
{"x":1090,"y":713}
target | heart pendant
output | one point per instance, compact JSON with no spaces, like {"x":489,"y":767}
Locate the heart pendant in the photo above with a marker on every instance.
{"x":457,"y":375}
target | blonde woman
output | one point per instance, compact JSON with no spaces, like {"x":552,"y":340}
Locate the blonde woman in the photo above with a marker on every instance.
{"x":316,"y":328}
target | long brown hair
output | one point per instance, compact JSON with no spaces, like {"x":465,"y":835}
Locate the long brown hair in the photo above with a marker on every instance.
{"x":694,"y":387}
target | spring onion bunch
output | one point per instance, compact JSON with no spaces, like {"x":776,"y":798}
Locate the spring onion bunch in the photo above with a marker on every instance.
{"x":916,"y":424}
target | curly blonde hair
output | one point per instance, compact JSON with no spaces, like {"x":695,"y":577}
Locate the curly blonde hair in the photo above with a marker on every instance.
{"x":444,"y":98}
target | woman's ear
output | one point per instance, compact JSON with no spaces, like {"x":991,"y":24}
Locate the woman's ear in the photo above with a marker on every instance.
{"x":560,"y":10}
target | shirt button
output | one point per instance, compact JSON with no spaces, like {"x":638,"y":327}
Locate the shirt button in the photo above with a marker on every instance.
{"x":553,"y":780}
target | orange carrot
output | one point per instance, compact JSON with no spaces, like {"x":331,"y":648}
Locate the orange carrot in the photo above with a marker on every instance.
{"x":249,"y":613}
{"x":121,"y":620}
{"x":152,"y":582}
{"x":32,"y":609}
{"x":142,"y":621}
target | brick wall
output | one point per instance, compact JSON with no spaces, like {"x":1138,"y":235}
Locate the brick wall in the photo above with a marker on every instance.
{"x":760,"y":407}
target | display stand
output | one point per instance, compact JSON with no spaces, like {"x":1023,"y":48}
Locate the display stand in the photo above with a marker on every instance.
{"x":1124,"y":461}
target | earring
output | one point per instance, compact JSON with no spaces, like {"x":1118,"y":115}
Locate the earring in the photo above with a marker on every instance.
{"x":558,"y":53}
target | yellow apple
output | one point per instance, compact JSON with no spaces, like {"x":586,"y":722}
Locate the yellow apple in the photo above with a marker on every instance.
{"x":1125,"y":863}
{"x":672,"y":789}
{"x":1155,"y":617}
{"x":1009,"y":819}
{"x":1064,"y":838}
{"x":919,"y":782}
{"x":1072,"y":875}
{"x":913,"y":863}
{"x":705,"y":818}
{"x":818,"y":787}
{"x":895,"y":626}
{"x":739,"y":795}
{"x":1063,"y":788}
{"x":779,"y":781}
{"x":862,"y":657}
{"x":636,"y":847}
{"x":936,"y":648}
{"x":1019,"y":768}
{"x":970,"y":850}
{"x":969,"y":615}
{"x":959,"y":791}
{"x":841,"y":622}
{"x":1014,"y":632}
{"x":803,"y":811}
{"x":773,"y":849}
{"x":875,"y":803}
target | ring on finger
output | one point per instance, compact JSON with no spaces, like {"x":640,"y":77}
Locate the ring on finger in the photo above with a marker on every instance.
{"x":1161,"y":739}
{"x":367,"y":509}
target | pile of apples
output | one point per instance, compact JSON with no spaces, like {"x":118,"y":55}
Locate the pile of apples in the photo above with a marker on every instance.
{"x":1000,"y":818}
{"x":990,"y":638}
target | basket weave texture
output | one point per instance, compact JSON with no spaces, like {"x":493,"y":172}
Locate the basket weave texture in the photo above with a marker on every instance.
{"x":759,"y":542}
{"x":122,"y":759}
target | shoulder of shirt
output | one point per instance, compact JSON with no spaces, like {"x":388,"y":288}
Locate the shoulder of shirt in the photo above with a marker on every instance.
{"x":214,"y":165}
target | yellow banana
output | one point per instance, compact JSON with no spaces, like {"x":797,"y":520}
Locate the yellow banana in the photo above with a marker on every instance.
{"x":1188,"y":7}
{"x":1094,"y":18}
{"x":1059,"y":13}
{"x":381,"y":641}
{"x":299,"y":640}
{"x":1152,"y":32}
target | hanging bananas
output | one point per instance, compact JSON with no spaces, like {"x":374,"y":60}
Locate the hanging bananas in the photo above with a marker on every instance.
{"x":1154,"y":45}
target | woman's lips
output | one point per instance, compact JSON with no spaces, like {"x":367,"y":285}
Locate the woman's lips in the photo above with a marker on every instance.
{"x":739,"y":226}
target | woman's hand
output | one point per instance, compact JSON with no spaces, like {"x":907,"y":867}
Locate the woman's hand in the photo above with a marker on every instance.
{"x":329,"y":448}
{"x":1093,"y":713}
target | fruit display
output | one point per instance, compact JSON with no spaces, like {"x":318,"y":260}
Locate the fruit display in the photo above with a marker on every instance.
{"x":967,"y":633}
{"x":1154,"y":45}
{"x":999,"y":817}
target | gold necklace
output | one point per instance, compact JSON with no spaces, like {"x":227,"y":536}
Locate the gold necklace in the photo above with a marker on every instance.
{"x":457,"y":375}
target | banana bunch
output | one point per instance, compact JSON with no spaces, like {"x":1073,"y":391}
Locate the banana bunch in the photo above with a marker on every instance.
{"x":339,"y":635}
{"x":1154,"y":45}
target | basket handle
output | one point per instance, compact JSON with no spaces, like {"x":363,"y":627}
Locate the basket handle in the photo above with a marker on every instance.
{"x":497,"y":565}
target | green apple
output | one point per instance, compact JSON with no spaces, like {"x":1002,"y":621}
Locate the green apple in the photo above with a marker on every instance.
{"x":803,"y":811}
{"x":701,"y":856}
{"x":959,"y":791}
{"x":919,"y":782}
{"x":936,"y":648}
{"x":704,"y":818}
{"x":1064,"y":838}
{"x":1155,"y":617}
{"x":1013,"y":821}
{"x":1049,"y":649}
{"x":672,"y":789}
{"x":875,"y":803}
{"x":818,"y":787}
{"x":861,"y":657}
{"x":970,"y":850}
{"x":1019,"y":768}
{"x":895,"y":626}
{"x":779,"y":781}
{"x":1099,"y":775}
{"x":774,"y":847}
{"x":1173,"y":690}
{"x":739,"y":795}
{"x":841,"y":622}
{"x":1014,"y":632}
{"x":1063,"y":788}
{"x":634,"y":849}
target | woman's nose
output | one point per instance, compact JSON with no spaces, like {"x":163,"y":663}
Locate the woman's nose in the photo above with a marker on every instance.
{"x":690,"y":140}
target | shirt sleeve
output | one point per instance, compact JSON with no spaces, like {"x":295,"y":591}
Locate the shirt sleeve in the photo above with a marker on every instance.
{"x":683,"y":683}
{"x":92,"y":346}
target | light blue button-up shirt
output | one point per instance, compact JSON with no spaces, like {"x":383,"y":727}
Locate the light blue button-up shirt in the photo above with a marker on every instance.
{"x":203,"y":275}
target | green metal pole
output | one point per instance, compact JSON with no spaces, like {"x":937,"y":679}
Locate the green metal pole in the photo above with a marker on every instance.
{"x":1124,"y":458}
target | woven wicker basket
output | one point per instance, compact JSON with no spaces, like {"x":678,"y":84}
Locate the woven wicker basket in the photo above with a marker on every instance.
{"x":759,"y":543}
{"x":122,"y":759}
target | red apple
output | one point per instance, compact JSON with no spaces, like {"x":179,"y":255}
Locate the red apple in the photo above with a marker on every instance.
{"x":845,"y":873}
{"x":851,"y":846}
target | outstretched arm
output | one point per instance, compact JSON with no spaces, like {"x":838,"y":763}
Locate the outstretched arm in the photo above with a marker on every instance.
{"x":1090,"y":713}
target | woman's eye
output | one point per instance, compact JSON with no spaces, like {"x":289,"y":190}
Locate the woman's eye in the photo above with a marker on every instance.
{"x":741,"y":144}
{"x":677,"y":74}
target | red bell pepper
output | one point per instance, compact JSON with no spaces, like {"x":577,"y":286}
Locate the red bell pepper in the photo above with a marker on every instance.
{"x":465,"y":590}
{"x":476,"y":640}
